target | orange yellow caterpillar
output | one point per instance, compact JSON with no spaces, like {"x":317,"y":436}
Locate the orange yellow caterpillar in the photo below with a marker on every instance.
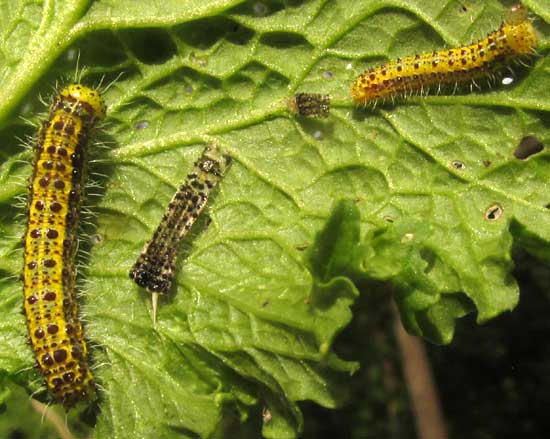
{"x":515,"y":38}
{"x":55,"y":195}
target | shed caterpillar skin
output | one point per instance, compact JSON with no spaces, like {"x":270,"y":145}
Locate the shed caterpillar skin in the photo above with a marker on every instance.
{"x":154,"y":268}
{"x":514,"y":39}
{"x":310,"y":104}
{"x":55,"y":196}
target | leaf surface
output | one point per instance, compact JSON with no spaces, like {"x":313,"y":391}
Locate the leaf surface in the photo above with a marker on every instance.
{"x":426,"y":194}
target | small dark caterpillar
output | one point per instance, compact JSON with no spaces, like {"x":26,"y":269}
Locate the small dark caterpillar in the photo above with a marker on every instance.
{"x":514,"y":39}
{"x":55,"y":196}
{"x":310,"y":104}
{"x":154,"y":268}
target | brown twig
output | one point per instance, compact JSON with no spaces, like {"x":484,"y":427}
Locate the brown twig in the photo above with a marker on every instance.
{"x":53,"y":418}
{"x":430,"y":422}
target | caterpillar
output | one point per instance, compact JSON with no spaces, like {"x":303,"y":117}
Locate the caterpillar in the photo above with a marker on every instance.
{"x":310,"y":104}
{"x":514,"y":39}
{"x":154,"y":268}
{"x":56,"y":191}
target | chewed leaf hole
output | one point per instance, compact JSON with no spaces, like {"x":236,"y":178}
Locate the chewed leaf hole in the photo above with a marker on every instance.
{"x":457,"y":164}
{"x":494,"y":212}
{"x":528,"y":146}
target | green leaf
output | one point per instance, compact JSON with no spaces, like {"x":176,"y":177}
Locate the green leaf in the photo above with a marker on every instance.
{"x":425,"y":194}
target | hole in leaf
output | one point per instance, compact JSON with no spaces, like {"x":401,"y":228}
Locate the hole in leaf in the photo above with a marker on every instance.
{"x":528,"y":146}
{"x":494,"y":212}
{"x":457,"y":164}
